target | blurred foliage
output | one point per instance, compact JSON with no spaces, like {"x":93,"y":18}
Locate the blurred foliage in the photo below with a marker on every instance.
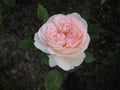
{"x":95,"y":30}
{"x":1,"y":19}
{"x":43,"y":57}
{"x":89,"y":57}
{"x":42,"y":13}
{"x":85,"y":11}
{"x":53,"y":80}
{"x":9,"y":3}
{"x":26,"y":44}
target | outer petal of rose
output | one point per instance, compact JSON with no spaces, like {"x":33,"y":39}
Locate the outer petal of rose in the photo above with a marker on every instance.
{"x":85,"y":43}
{"x":78,"y":17}
{"x":39,"y":44}
{"x":52,"y":61}
{"x":52,"y":18}
{"x":66,"y":63}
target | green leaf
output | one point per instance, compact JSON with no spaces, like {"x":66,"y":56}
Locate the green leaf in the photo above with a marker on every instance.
{"x":43,"y":57}
{"x":26,"y":44}
{"x":89,"y":57}
{"x":1,"y":20}
{"x":53,"y":80}
{"x":9,"y":3}
{"x":95,"y":30}
{"x":85,"y":13}
{"x":42,"y":13}
{"x":86,"y":10}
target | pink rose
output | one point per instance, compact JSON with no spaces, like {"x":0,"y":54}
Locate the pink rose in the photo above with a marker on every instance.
{"x":65,"y":39}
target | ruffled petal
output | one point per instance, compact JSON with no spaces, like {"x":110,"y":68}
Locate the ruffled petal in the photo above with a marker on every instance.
{"x":52,"y":62}
{"x":68,"y":63}
{"x":52,"y":18}
{"x":86,"y":42}
{"x":78,"y":17}
{"x":38,"y":44}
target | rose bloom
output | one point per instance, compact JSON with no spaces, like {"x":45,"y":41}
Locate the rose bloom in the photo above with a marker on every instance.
{"x":64,"y":38}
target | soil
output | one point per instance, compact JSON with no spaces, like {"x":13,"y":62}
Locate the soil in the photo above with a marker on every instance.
{"x":22,"y":70}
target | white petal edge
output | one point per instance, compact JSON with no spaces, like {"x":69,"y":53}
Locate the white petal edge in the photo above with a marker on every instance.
{"x":44,"y":47}
{"x":52,"y":18}
{"x":79,"y":18}
{"x":52,"y":62}
{"x":67,"y":63}
{"x":38,"y":44}
{"x":85,"y":43}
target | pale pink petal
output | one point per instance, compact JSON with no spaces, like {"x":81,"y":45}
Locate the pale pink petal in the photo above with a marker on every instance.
{"x":52,"y":18}
{"x":75,"y":15}
{"x":78,"y":17}
{"x":41,"y":44}
{"x":68,"y":63}
{"x":86,"y":42}
{"x":38,"y":44}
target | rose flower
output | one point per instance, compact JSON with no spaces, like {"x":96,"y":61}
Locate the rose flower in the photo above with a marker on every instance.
{"x":64,"y":38}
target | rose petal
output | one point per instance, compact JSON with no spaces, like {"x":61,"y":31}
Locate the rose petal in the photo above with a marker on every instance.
{"x":67,"y":63}
{"x":78,"y":17}
{"x":52,"y":18}
{"x":52,"y":62}
{"x":38,"y":44}
{"x":85,"y":43}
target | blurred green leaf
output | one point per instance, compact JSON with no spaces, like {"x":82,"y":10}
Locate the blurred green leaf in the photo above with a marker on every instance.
{"x":85,"y":13}
{"x":1,"y":20}
{"x":42,"y":13}
{"x":44,"y":57}
{"x":26,"y":44}
{"x":9,"y":3}
{"x":2,"y":9}
{"x":53,"y":80}
{"x":89,"y":57}
{"x":95,"y":30}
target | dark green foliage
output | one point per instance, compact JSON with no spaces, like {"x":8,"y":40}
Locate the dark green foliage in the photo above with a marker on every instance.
{"x":53,"y":80}
{"x":42,"y":13}
{"x":85,"y":11}
{"x":9,"y":3}
{"x":89,"y":57}
{"x":26,"y":44}
{"x":95,"y":30}
{"x":43,"y":57}
{"x":1,"y":19}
